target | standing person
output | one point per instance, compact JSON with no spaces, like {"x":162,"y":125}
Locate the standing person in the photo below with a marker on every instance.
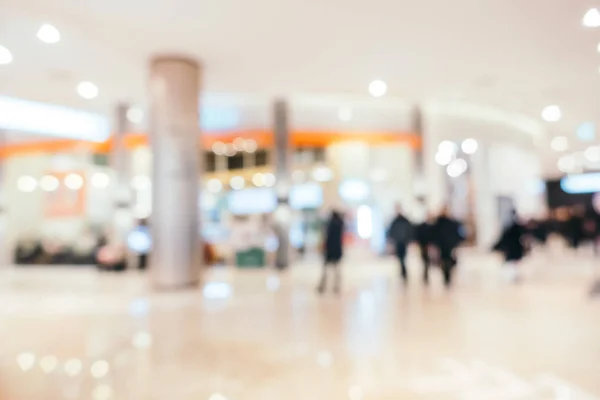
{"x":425,"y":239}
{"x":446,"y":237}
{"x":512,"y":245}
{"x":333,"y":249}
{"x":400,"y":234}
{"x":575,"y":231}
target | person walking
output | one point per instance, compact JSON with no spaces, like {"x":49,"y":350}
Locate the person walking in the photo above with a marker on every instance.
{"x":424,"y":239}
{"x":400,"y":234}
{"x":333,"y":251}
{"x":446,"y":234}
{"x":512,"y":245}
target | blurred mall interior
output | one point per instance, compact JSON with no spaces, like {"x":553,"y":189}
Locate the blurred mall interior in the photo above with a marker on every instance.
{"x":168,"y":173}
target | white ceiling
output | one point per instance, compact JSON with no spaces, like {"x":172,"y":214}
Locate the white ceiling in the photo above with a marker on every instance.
{"x":512,"y":55}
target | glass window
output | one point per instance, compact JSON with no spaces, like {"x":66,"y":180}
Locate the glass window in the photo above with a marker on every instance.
{"x":210,"y":161}
{"x":236,"y":161}
{"x":261,"y":158}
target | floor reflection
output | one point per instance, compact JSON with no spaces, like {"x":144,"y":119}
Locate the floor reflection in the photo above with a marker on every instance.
{"x":69,"y":334}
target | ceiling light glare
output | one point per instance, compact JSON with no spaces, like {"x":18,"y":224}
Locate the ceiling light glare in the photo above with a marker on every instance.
{"x":135,"y":115}
{"x":239,"y":144}
{"x":322,"y":174}
{"x":378,"y":88}
{"x":73,"y":367}
{"x":27,"y":184}
{"x":250,"y":146}
{"x":6,"y":56}
{"x":456,"y":168}
{"x":49,"y":183}
{"x":259,"y":179}
{"x":48,"y":34}
{"x":99,"y":369}
{"x":87,"y":90}
{"x":219,"y":148}
{"x":237,"y":182}
{"x":100,"y":180}
{"x":560,"y":143}
{"x":214,"y":185}
{"x":447,"y":147}
{"x":270,"y":179}
{"x":345,"y":114}
{"x":567,"y":164}
{"x":469,"y":146}
{"x":230,"y":150}
{"x":591,"y":19}
{"x":48,"y":364}
{"x":552,"y":113}
{"x":26,"y":361}
{"x":592,"y":154}
{"x":443,"y":158}
{"x":74,"y":181}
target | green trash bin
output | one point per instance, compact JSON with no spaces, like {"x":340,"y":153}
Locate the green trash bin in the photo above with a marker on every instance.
{"x":251,"y":258}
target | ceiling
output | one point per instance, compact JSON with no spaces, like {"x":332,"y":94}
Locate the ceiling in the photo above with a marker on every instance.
{"x":511,"y":55}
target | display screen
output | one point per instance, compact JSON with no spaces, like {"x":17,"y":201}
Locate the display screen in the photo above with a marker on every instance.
{"x":252,"y":201}
{"x":306,"y":196}
{"x":582,"y":183}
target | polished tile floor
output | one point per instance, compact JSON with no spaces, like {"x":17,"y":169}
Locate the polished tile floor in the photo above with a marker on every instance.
{"x":246,"y":335}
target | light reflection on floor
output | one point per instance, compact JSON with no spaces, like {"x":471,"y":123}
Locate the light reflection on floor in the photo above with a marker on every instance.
{"x":76,"y":334}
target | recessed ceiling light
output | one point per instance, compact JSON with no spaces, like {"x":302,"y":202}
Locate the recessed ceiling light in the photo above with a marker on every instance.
{"x":592,"y":154}
{"x":456,"y":168}
{"x":560,"y":143}
{"x":377,"y":88}
{"x":6,"y":56}
{"x":567,"y":164}
{"x":552,"y":113}
{"x":48,"y":34}
{"x":345,"y":114}
{"x":469,"y":146}
{"x":237,"y":182}
{"x":87,"y":90}
{"x":591,"y":19}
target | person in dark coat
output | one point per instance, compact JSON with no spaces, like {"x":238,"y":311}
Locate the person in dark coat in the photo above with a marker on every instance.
{"x":333,"y":249}
{"x":512,"y":243}
{"x":424,"y":236}
{"x":400,"y":234}
{"x":574,"y":226}
{"x":446,"y":234}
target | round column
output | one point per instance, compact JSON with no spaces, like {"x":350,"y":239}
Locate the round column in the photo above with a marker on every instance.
{"x":120,"y":161}
{"x":174,"y":128}
{"x":435,"y":179}
{"x":282,"y":172}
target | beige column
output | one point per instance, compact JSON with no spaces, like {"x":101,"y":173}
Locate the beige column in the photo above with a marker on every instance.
{"x":436,"y":184}
{"x":5,"y":248}
{"x":174,"y":129}
{"x":121,"y":163}
{"x":283,"y":185}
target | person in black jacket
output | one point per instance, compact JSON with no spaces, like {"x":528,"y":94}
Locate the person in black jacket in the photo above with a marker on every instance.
{"x":400,"y":234}
{"x":424,"y":236}
{"x":512,"y":243}
{"x":333,"y":249}
{"x":446,"y":233}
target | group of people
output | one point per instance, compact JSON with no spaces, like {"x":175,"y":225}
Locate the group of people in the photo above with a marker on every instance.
{"x":575,"y":225}
{"x":437,"y":238}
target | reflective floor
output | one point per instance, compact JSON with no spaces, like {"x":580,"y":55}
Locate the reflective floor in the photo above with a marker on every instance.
{"x":253,"y":334}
